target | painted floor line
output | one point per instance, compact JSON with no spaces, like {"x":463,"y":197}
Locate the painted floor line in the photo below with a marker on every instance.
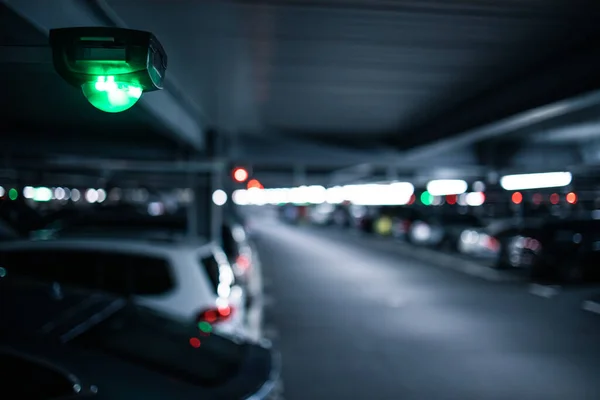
{"x":544,"y":291}
{"x":591,"y":306}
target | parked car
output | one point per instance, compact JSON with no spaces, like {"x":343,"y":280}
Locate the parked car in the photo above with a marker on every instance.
{"x":243,"y":257}
{"x":57,"y":342}
{"x":566,"y":251}
{"x":442,"y":231}
{"x":402,"y":219}
{"x":189,"y":280}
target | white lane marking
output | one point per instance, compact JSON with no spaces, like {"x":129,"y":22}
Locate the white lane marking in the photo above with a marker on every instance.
{"x":591,"y":306}
{"x":543,"y":290}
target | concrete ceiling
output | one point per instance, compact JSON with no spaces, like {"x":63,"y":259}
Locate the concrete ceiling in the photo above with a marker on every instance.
{"x":318,"y":85}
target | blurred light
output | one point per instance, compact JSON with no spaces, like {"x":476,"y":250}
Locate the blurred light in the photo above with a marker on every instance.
{"x":101,"y":195}
{"x":67,"y":193}
{"x":421,"y":232}
{"x":475,"y":199}
{"x":554,"y":198}
{"x":443,"y":187}
{"x":412,"y":199}
{"x":254,"y":184}
{"x":335,"y":195}
{"x":219,"y":197}
{"x":437,"y":200}
{"x":195,"y":342}
{"x":240,"y":197}
{"x":59,"y":193}
{"x":186,"y":195}
{"x":75,"y":195}
{"x":223,"y":290}
{"x":517,"y":197}
{"x":537,"y":199}
{"x":596,"y":214}
{"x":426,"y":198}
{"x":397,"y":193}
{"x":535,"y":181}
{"x":155,"y":209}
{"x":479,"y":186}
{"x":240,"y":175}
{"x":42,"y":194}
{"x":462,"y":199}
{"x":2,"y":191}
{"x":91,"y":195}
{"x":451,"y":199}
{"x":571,"y":198}
{"x":13,"y":194}
{"x":257,"y":196}
{"x":28,"y":192}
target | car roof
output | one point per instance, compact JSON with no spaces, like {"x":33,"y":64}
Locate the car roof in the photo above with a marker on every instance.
{"x":113,"y":243}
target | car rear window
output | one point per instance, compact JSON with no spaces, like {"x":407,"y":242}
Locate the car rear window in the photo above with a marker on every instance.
{"x":146,"y":338}
{"x":211,"y":267}
{"x":119,"y":273}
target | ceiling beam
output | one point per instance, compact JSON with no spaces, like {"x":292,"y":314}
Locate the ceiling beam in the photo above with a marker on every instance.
{"x":46,"y":15}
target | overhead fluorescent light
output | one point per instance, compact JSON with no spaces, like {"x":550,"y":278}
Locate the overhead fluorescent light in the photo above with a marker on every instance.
{"x":536,"y":181}
{"x":444,"y":187}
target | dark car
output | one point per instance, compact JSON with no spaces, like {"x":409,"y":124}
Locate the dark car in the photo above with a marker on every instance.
{"x":61,"y":343}
{"x":442,"y":231}
{"x":564,"y":251}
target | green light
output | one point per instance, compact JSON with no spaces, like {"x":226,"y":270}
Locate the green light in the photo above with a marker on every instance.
{"x":13,"y":194}
{"x":2,"y":272}
{"x":205,"y":327}
{"x":426,"y":198}
{"x":110,"y":96}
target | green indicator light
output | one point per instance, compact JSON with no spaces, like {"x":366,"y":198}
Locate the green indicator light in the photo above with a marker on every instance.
{"x":426,"y":198}
{"x":13,"y":194}
{"x":205,"y":327}
{"x":2,"y":272}
{"x":111,"y":96}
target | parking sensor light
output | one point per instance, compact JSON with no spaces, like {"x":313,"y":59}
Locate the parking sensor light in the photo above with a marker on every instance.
{"x":109,"y":95}
{"x":112,"y":66}
{"x":536,"y":181}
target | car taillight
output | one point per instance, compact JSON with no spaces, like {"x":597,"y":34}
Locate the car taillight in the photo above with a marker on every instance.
{"x":406,"y":225}
{"x":243,"y":262}
{"x":215,"y":315}
{"x":492,"y":243}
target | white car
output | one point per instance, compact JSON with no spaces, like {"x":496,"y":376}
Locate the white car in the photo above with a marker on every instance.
{"x":188,"y":280}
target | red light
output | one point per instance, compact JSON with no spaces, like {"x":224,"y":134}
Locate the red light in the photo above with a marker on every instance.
{"x":240,"y":175}
{"x":537,"y":199}
{"x":209,"y":316}
{"x":554,"y":198}
{"x":195,"y":342}
{"x":412,"y":199}
{"x":517,"y":197}
{"x":571,"y":198}
{"x":243,"y":262}
{"x":451,"y":199}
{"x":224,"y":311}
{"x":215,"y":315}
{"x":254,"y":184}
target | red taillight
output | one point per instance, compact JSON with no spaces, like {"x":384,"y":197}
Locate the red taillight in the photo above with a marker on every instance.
{"x":406,"y":225}
{"x":243,"y":262}
{"x":492,"y":244}
{"x":215,"y":315}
